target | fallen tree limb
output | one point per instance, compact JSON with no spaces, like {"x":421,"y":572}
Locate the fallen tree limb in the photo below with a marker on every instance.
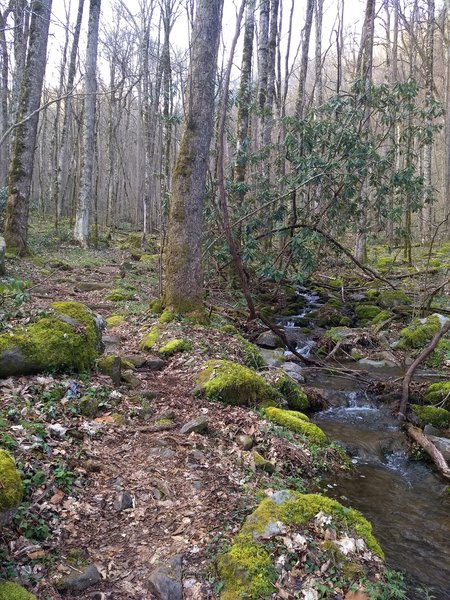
{"x":420,"y":438}
{"x":419,"y":360}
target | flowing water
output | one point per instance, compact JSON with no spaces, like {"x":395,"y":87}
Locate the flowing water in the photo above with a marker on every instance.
{"x":405,"y":501}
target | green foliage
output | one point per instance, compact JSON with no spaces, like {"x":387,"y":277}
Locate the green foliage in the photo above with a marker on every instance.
{"x":11,"y":483}
{"x":419,"y":333}
{"x":440,"y":355}
{"x":293,"y":394}
{"x":438,"y":393}
{"x":366,"y":312}
{"x":174,"y":346}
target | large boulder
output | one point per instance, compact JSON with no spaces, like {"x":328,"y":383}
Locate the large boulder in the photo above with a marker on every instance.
{"x":69,"y":337}
{"x":10,"y":488}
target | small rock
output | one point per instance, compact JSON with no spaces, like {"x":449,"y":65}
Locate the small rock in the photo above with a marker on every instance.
{"x":165,"y":581}
{"x":123,"y":501}
{"x":431,"y":430}
{"x":91,"y":286}
{"x":136,"y":359}
{"x":130,"y":379}
{"x":198,"y":425}
{"x":268,"y":339}
{"x":245,"y":442}
{"x":57,"y":430}
{"x":262,"y":464}
{"x":294,"y":371}
{"x":155,"y":364}
{"x":111,"y":343}
{"x":272,"y":358}
{"x":78,"y":582}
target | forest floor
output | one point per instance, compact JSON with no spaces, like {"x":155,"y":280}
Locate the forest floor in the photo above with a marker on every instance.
{"x":110,"y":480}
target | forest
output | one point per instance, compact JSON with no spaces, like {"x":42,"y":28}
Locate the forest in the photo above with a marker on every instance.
{"x":224,"y":299}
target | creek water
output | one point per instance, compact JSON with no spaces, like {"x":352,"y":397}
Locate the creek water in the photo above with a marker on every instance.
{"x":404,"y":499}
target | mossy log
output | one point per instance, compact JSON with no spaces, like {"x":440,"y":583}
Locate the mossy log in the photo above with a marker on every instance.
{"x":68,"y":338}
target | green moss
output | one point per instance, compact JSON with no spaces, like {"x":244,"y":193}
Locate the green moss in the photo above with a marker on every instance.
{"x":164,"y":421}
{"x":263,"y":464}
{"x":231,"y":329}
{"x":149,"y":258}
{"x":438,"y":417}
{"x":174,"y":346}
{"x":232,"y":383}
{"x":418,"y":334}
{"x":156,"y":307}
{"x":366,"y":312}
{"x":10,"y":482}
{"x":337,"y":334}
{"x":394,"y":298}
{"x":438,"y":393}
{"x":440,"y":355}
{"x":251,"y":355}
{"x":167,"y":316}
{"x":150,"y":339}
{"x":247,"y":571}
{"x":297,"y":422}
{"x":105,"y":364}
{"x":384,"y":262}
{"x":120,"y":295}
{"x":114,"y":321}
{"x":382,"y":316}
{"x":293,"y":394}
{"x":345,"y":321}
{"x":14,"y":591}
{"x":68,"y":339}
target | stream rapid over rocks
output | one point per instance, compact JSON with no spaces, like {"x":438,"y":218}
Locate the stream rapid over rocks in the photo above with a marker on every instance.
{"x":403,"y":498}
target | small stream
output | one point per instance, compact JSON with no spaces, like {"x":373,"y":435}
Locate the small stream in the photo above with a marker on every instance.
{"x":404,"y":500}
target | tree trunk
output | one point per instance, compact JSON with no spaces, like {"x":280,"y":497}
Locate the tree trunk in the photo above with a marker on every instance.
{"x":81,"y":229}
{"x":428,"y":153}
{"x":184,"y":286}
{"x":301,"y":90}
{"x":20,"y":171}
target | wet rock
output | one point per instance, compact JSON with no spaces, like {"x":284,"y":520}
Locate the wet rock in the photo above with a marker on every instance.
{"x":165,"y":581}
{"x":123,"y":501}
{"x":294,"y":371}
{"x":377,"y":364}
{"x":431,"y":430}
{"x":442,"y":444}
{"x":198,"y":425}
{"x":78,"y":582}
{"x":268,"y":339}
{"x":245,"y":442}
{"x":272,"y":358}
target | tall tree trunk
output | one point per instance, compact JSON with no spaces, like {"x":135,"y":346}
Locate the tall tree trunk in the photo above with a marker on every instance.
{"x":81,"y":229}
{"x":447,"y":122}
{"x":319,"y":78}
{"x":184,"y":285}
{"x":4,"y":93}
{"x":301,"y":90}
{"x":20,"y":171}
{"x":61,"y":190}
{"x":429,"y":83}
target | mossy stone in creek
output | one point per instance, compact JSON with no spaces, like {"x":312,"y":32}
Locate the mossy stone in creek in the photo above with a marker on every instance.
{"x":419,"y":333}
{"x":232,"y":383}
{"x":10,"y":483}
{"x":293,"y":394}
{"x":13,"y":591}
{"x":297,"y":422}
{"x":438,"y":393}
{"x":247,"y":569}
{"x":69,"y":338}
{"x":438,"y":417}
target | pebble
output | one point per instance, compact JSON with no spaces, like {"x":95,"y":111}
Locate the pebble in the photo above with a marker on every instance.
{"x":165,"y":581}
{"x":123,"y":501}
{"x":198,"y":425}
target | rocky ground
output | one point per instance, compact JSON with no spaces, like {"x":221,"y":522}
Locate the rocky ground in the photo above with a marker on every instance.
{"x":136,"y":488}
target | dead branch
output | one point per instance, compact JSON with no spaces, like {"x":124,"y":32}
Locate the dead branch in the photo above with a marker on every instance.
{"x":420,"y":438}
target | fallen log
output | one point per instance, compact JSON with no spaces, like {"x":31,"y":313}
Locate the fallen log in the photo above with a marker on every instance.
{"x":436,"y":456}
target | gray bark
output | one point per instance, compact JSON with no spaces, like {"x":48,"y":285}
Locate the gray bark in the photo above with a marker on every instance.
{"x":81,"y":229}
{"x":184,"y":286}
{"x":20,"y":171}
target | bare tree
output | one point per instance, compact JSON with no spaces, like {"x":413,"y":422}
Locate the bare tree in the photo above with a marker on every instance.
{"x":184,"y":285}
{"x":20,"y":173}
{"x":81,"y":230}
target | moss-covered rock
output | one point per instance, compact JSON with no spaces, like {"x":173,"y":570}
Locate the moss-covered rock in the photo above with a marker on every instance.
{"x":328,"y":316}
{"x":382,"y":316}
{"x":394,"y":298}
{"x":438,"y":393}
{"x":440,"y":355}
{"x":232,"y":383}
{"x":338,"y":334}
{"x":114,"y":321}
{"x":438,"y":417}
{"x":295,"y":397}
{"x":297,"y":422}
{"x":168,"y":316}
{"x":13,"y":591}
{"x":366,"y":312}
{"x":262,"y":464}
{"x":121,"y":295}
{"x":10,"y":483}
{"x":105,"y":364}
{"x":247,"y":569}
{"x":150,"y":339}
{"x":69,"y":338}
{"x":419,"y":333}
{"x":174,"y":346}
{"x":156,"y":306}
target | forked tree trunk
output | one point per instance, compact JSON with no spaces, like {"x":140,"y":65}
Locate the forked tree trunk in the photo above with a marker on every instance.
{"x":184,"y":285}
{"x":81,"y":229}
{"x":20,"y":171}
